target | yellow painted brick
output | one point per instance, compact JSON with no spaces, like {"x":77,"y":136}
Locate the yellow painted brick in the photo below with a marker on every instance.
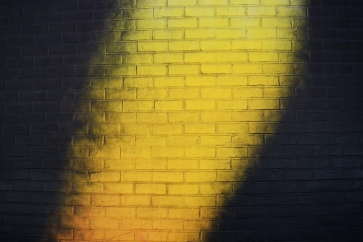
{"x":183,"y":189}
{"x":215,"y":140}
{"x":276,"y":22}
{"x":273,"y":115}
{"x":169,"y":81}
{"x":216,"y":93}
{"x":183,"y":164}
{"x":199,"y":104}
{"x":291,"y":11}
{"x":263,"y":80}
{"x":151,"y":93}
{"x":200,"y":57}
{"x":233,"y":128}
{"x":168,"y":12}
{"x":183,"y":117}
{"x":215,"y":45}
{"x":119,"y":140}
{"x":150,"y":164}
{"x":150,"y":24}
{"x":213,"y":22}
{"x":215,"y":188}
{"x":279,"y":92}
{"x":151,"y":3}
{"x":168,"y":105}
{"x":137,"y":59}
{"x":183,"y":140}
{"x":148,"y":140}
{"x":247,"y":68}
{"x":87,"y":234}
{"x":222,"y":68}
{"x":245,"y":2}
{"x":116,"y":188}
{"x":137,"y":105}
{"x":110,"y":152}
{"x":230,"y":34}
{"x":138,"y":223}
{"x":291,"y":33}
{"x":216,"y":116}
{"x":232,"y":105}
{"x":263,"y":56}
{"x":232,"y":80}
{"x":168,"y":224}
{"x":88,"y":187}
{"x":182,"y":23}
{"x":120,"y":211}
{"x":120,"y":235}
{"x":106,"y":106}
{"x":197,"y":201}
{"x":167,"y":129}
{"x":276,"y":45}
{"x":202,"y":81}
{"x":184,"y":45}
{"x":86,"y":117}
{"x":278,"y":69}
{"x":88,"y":140}
{"x":196,"y":12}
{"x":151,"y":188}
{"x":182,"y":3}
{"x":160,"y":151}
{"x":244,"y":22}
{"x":138,"y":82}
{"x":168,"y":34}
{"x":275,"y":2}
{"x":246,"y":45}
{"x":151,"y":70}
{"x":105,"y":176}
{"x":186,"y":236}
{"x":135,"y":200}
{"x":120,"y":47}
{"x":231,"y":56}
{"x":134,"y":151}
{"x":75,"y":199}
{"x":104,"y":223}
{"x":78,"y":151}
{"x":135,"y":176}
{"x":106,"y":59}
{"x":136,"y":35}
{"x":213,"y":2}
{"x":152,"y":46}
{"x":265,"y":33}
{"x":106,"y":200}
{"x":200,"y":176}
{"x":152,"y":117}
{"x":152,"y":235}
{"x":121,"y":94}
{"x":200,"y":128}
{"x":102,"y":129}
{"x":120,"y":71}
{"x":183,"y":69}
{"x":248,"y":139}
{"x":209,"y":212}
{"x":224,"y":164}
{"x":247,"y":92}
{"x":232,"y":152}
{"x":190,"y":213}
{"x":151,"y":213}
{"x":168,"y":58}
{"x":87,"y":164}
{"x":261,"y":11}
{"x":175,"y":201}
{"x":184,"y":93}
{"x":117,"y":164}
{"x":264,"y":128}
{"x":141,"y":13}
{"x":263,"y":104}
{"x":248,"y":116}
{"x":231,"y":11}
{"x":199,"y":152}
{"x":199,"y":33}
{"x":165,"y":176}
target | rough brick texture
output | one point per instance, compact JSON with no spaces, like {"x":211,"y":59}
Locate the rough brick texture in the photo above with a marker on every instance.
{"x":181,"y":120}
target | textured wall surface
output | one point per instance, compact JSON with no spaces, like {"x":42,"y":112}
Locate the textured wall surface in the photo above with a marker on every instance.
{"x":181,"y":120}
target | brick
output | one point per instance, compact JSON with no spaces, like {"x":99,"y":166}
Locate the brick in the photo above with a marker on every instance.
{"x":152,"y":46}
{"x":183,"y":69}
{"x":168,"y":12}
{"x":151,"y":188}
{"x":168,"y":34}
{"x":183,"y":45}
{"x":200,"y":11}
{"x":168,"y":58}
{"x":199,"y":128}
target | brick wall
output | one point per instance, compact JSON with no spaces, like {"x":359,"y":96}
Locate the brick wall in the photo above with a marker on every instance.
{"x":181,"y":120}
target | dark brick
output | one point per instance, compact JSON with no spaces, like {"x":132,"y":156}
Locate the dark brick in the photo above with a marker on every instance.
{"x":27,"y":163}
{"x":28,"y":140}
{"x":20,"y":40}
{"x":47,"y":106}
{"x":47,"y":39}
{"x":15,"y":151}
{"x":48,"y":197}
{"x":7,"y":140}
{"x":19,"y":62}
{"x":27,"y":186}
{"x":78,"y":16}
{"x":91,"y":48}
{"x":60,"y":72}
{"x":67,"y":129}
{"x":64,"y":49}
{"x":57,"y":163}
{"x":34,"y":50}
{"x":295,"y":103}
{"x":91,"y":5}
{"x":62,"y":27}
{"x":321,"y":12}
{"x":353,"y":149}
{"x":281,"y":235}
{"x":22,"y":20}
{"x":92,"y":71}
{"x":15,"y":129}
{"x":47,"y":84}
{"x":297,"y":128}
{"x":18,"y":174}
{"x":353,"y":12}
{"x":15,"y":196}
{"x":113,"y":4}
{"x":44,"y":151}
{"x":58,"y":140}
{"x":49,"y":18}
{"x":8,"y":96}
{"x":329,"y":198}
{"x":113,"y":14}
{"x":78,"y":60}
{"x":76,"y":38}
{"x":86,"y":27}
{"x":60,"y":95}
{"x":44,"y":129}
{"x":62,"y":117}
{"x":34,"y":8}
{"x":313,"y":138}
{"x":34,"y":29}
{"x":308,"y":116}
{"x":63,"y":7}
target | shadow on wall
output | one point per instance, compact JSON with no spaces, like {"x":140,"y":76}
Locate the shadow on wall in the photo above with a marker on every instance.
{"x":307,"y":182}
{"x":45,"y":80}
